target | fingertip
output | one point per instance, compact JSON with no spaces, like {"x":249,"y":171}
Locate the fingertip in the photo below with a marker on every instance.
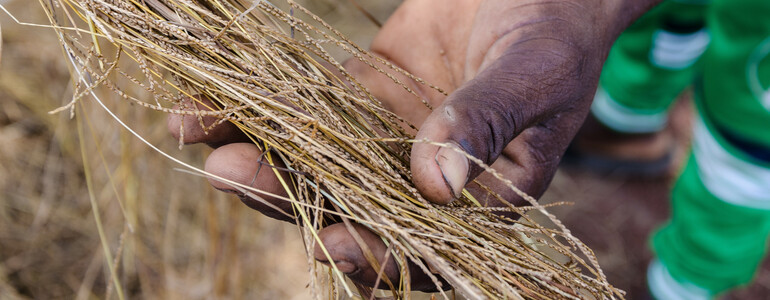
{"x":173,"y":123}
{"x":348,"y":257}
{"x":237,"y":162}
{"x":207,"y":129}
{"x":439,"y":173}
{"x":244,"y":164}
{"x":427,"y":176}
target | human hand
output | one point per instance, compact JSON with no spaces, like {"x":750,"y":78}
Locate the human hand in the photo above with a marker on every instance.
{"x":521,"y":75}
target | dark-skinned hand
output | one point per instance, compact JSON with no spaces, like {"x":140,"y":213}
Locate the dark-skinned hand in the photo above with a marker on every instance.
{"x":521,"y":76}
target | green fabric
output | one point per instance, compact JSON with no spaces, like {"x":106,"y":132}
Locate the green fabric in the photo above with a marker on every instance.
{"x":737,"y":27}
{"x":629,"y":77}
{"x":700,"y":106}
{"x":708,"y":242}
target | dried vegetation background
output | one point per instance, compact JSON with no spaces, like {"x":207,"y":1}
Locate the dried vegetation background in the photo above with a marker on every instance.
{"x":187,"y":241}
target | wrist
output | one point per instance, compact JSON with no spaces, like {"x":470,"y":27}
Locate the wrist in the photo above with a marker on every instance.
{"x":586,"y":27}
{"x":621,"y":13}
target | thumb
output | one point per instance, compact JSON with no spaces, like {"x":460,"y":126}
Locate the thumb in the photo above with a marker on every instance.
{"x":475,"y":119}
{"x":483,"y":117}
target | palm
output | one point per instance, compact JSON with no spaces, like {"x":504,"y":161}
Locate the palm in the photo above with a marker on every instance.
{"x":448,"y":45}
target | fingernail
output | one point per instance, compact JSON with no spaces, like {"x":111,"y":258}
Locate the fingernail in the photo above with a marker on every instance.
{"x":454,"y":167}
{"x":345,"y":267}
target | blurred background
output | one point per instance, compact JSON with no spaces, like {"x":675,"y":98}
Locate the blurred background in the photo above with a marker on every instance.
{"x":170,"y":235}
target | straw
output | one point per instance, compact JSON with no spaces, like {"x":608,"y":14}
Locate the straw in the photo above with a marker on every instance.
{"x":269,"y":71}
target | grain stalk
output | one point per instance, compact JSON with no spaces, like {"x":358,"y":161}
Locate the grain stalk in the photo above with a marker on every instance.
{"x":268,"y":71}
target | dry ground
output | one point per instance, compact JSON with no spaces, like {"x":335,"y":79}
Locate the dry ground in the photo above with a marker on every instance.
{"x":177,"y":238}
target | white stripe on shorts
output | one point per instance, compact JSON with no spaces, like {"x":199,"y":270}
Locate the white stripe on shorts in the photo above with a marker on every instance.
{"x":664,"y":287}
{"x":622,"y":119}
{"x":730,"y":178}
{"x":677,"y":51}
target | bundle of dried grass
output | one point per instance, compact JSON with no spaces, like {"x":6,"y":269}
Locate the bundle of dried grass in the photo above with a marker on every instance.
{"x":269,"y":72}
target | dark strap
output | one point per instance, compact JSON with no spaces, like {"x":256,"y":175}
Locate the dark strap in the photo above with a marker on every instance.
{"x":752,"y":149}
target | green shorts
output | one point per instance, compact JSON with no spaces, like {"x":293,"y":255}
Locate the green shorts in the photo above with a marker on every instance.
{"x":720,"y":222}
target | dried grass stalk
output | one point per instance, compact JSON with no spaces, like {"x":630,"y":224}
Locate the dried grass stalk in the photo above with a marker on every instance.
{"x":262,"y":66}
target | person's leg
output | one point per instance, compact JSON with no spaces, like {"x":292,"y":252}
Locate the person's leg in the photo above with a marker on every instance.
{"x":710,"y":245}
{"x":719,"y":228}
{"x":647,"y":68}
{"x":649,"y":65}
